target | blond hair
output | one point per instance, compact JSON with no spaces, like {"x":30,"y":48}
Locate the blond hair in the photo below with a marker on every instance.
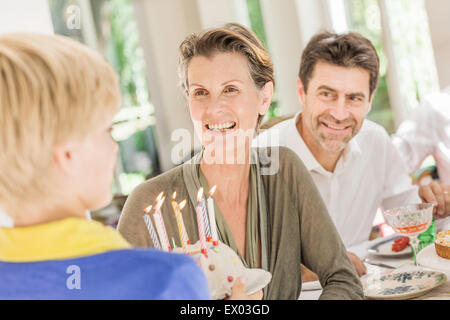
{"x":232,"y":37}
{"x":52,"y":89}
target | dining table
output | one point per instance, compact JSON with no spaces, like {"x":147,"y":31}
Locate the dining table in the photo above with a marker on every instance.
{"x":379,"y":265}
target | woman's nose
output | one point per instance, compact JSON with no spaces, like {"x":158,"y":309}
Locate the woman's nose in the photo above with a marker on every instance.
{"x":215,"y":104}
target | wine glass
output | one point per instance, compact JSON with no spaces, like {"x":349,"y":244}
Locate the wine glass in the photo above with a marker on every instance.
{"x":411,"y":221}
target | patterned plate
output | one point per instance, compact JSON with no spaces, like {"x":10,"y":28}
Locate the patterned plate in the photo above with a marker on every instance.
{"x":402,"y":285}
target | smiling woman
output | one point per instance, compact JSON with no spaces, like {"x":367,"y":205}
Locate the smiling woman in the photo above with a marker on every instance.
{"x":274,"y":222}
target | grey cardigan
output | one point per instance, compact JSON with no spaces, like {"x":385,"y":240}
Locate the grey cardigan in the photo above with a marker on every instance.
{"x":299,"y":229}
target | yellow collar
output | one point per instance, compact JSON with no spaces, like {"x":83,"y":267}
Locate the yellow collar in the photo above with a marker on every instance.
{"x":62,"y":239}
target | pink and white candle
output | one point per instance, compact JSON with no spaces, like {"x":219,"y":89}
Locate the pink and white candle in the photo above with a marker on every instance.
{"x":212,"y":217}
{"x":200,"y":222}
{"x":160,"y":227}
{"x":202,"y":204}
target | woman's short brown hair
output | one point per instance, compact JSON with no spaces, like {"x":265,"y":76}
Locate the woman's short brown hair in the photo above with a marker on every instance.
{"x":232,"y":37}
{"x":350,"y":50}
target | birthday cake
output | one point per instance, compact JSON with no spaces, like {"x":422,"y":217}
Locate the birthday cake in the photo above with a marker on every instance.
{"x":222,"y":266}
{"x":442,"y":244}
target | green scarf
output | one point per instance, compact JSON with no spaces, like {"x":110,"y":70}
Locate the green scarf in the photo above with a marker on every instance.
{"x":256,"y":230}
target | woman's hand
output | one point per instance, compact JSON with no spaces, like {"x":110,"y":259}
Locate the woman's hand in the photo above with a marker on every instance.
{"x":308,"y":275}
{"x":360,"y":268}
{"x":238,"y":291}
{"x":359,"y":265}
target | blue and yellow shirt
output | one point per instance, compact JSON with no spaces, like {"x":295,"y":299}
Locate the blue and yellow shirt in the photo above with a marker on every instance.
{"x":80,"y":259}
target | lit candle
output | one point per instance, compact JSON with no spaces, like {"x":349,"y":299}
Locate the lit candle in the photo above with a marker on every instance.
{"x":178,"y":207}
{"x":150,"y":228}
{"x":180,"y":223}
{"x":159,"y":222}
{"x":185,"y":235}
{"x":205,"y":215}
{"x":200,"y":222}
{"x":212,"y":216}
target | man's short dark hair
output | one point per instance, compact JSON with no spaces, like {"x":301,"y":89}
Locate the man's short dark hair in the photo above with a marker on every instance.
{"x":350,"y":50}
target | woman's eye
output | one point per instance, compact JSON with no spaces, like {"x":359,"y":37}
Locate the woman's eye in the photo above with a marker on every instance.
{"x":200,"y":93}
{"x":231,"y":90}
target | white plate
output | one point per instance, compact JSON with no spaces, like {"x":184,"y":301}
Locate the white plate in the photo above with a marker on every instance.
{"x":402,"y":285}
{"x":428,"y":258}
{"x":257,"y":279}
{"x":384,"y":248}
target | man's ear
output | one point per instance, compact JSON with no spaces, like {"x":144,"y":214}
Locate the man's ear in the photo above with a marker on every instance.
{"x":371,"y":101}
{"x":267,"y":94}
{"x":301,"y":92}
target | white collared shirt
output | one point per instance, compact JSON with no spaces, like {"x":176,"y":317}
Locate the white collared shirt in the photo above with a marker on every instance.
{"x":5,"y":220}
{"x":369,"y":174}
{"x":427,"y":133}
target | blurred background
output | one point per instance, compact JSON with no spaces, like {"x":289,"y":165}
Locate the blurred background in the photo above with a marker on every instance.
{"x":140,"y":39}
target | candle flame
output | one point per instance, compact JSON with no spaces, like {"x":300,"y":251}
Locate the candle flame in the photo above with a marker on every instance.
{"x":199,"y":194}
{"x":147,"y":210}
{"x":174,"y":195}
{"x":213,"y":189}
{"x":182,"y":204}
{"x":159,"y":203}
{"x":159,"y":197}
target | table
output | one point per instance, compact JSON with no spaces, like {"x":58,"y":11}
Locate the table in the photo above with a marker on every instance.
{"x":402,"y":264}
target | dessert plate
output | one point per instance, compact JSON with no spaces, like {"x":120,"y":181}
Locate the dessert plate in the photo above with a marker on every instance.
{"x":384,"y":248}
{"x":428,"y":258}
{"x":402,"y":285}
{"x":257,"y":279}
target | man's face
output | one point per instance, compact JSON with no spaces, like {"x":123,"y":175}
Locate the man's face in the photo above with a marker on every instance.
{"x":335,"y":104}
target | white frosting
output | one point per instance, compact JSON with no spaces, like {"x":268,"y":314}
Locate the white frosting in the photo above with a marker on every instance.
{"x":221,"y":265}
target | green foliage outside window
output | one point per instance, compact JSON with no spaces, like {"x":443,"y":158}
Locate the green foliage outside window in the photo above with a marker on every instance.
{"x":257,"y":25}
{"x":412,"y":46}
{"x":363,"y":16}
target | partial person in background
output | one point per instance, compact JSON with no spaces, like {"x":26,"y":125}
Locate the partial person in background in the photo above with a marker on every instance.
{"x":427,"y":133}
{"x":57,"y":99}
{"x":351,"y":159}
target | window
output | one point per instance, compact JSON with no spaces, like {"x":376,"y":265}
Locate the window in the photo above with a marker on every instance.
{"x":254,"y":20}
{"x":413,"y":49}
{"x":363,"y":16}
{"x":410,"y":44}
{"x":109,"y":27}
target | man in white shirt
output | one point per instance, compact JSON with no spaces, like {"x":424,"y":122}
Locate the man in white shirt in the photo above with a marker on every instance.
{"x":352,"y":160}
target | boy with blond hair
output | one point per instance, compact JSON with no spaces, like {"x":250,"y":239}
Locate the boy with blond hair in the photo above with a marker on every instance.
{"x":57,"y":100}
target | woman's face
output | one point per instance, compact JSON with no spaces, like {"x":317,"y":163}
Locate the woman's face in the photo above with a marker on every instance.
{"x":224,"y":102}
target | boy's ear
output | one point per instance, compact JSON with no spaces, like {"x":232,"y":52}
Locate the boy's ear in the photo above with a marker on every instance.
{"x":63,"y":158}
